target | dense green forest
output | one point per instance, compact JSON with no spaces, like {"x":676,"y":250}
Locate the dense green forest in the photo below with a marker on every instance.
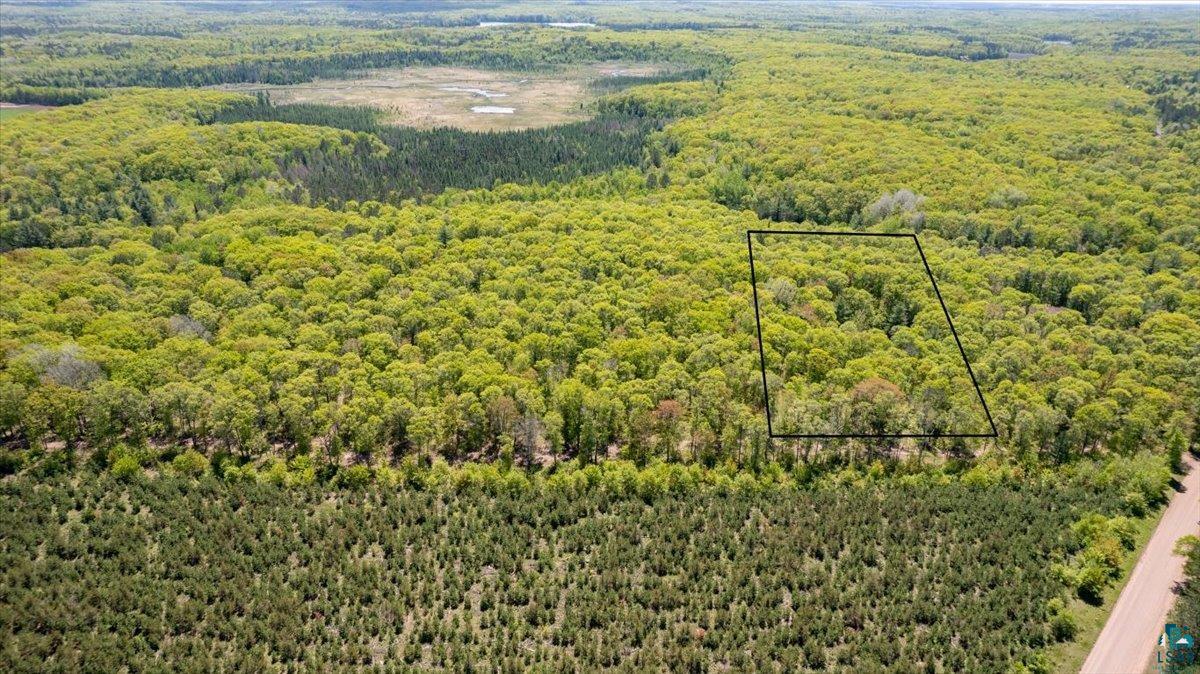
{"x":574,"y":573}
{"x":535,"y":353}
{"x":429,"y":161}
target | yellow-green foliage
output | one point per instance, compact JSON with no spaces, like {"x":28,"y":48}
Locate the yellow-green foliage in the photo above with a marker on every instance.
{"x":1011,"y":153}
{"x":612,"y":315}
{"x":76,"y":166}
{"x":516,"y":403}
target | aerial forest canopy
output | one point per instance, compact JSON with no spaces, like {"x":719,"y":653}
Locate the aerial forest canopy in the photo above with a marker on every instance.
{"x":203,"y":267}
{"x":201,"y":282}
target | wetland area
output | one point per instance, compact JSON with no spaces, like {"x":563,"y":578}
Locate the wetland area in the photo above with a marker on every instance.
{"x":466,"y":98}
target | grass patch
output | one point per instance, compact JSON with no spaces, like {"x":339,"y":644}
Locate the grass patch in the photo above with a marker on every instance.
{"x":8,"y":112}
{"x":434,"y":97}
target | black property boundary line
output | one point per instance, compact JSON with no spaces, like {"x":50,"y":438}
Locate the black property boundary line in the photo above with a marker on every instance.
{"x":762,"y":358}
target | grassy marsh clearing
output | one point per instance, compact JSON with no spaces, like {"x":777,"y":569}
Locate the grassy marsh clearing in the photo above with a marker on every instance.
{"x":466,"y":98}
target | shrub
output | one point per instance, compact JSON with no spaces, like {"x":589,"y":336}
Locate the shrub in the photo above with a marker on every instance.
{"x":1038,"y":663}
{"x":121,"y":450}
{"x":10,"y":462}
{"x":388,"y":477}
{"x":302,"y":470}
{"x":1187,"y":607}
{"x":190,"y":462}
{"x":747,"y":484}
{"x":1065,"y":574}
{"x":516,"y":483}
{"x":354,"y":477}
{"x":1063,"y":625}
{"x":650,"y":485}
{"x":1145,"y":474}
{"x":410,"y":473}
{"x":235,"y":473}
{"x":276,"y":474}
{"x":1094,"y":530}
{"x":1176,"y":444}
{"x":1134,"y":503}
{"x":1092,"y":579}
{"x":54,"y":463}
{"x":1124,"y":529}
{"x":126,"y":468}
{"x":1106,"y":551}
{"x":1100,"y":544}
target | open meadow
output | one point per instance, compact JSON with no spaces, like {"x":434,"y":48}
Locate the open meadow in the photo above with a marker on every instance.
{"x":466,"y":98}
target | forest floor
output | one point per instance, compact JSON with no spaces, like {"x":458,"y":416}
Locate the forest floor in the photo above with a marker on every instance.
{"x":466,"y":98}
{"x":1127,"y":641}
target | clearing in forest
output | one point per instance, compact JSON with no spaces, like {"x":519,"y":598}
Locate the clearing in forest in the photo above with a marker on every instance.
{"x":466,"y":98}
{"x":855,"y":339}
{"x":10,"y":110}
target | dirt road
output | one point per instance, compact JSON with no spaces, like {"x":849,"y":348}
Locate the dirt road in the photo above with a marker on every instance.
{"x":1126,"y":644}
